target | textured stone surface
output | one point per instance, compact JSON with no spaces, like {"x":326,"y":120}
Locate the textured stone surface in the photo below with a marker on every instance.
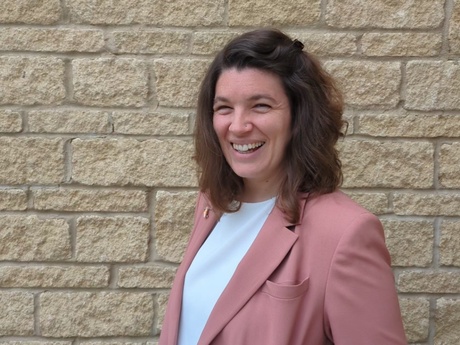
{"x":128,"y":161}
{"x":13,"y":200}
{"x":178,"y":81}
{"x":31,"y":80}
{"x":416,"y":318}
{"x":35,"y":342}
{"x":54,"y":276}
{"x":387,"y":164}
{"x":408,"y":124}
{"x":153,"y":12}
{"x":68,"y":121}
{"x":90,"y":314}
{"x":84,"y":200}
{"x":435,"y":204}
{"x":151,"y":123}
{"x":10,"y":121}
{"x":367,"y":83}
{"x":204,"y":43}
{"x":410,"y":242}
{"x":174,"y":221}
{"x":449,"y":159}
{"x":30,"y":12}
{"x":16,"y":313}
{"x":152,"y":277}
{"x":270,"y":13}
{"x":162,"y":300}
{"x":151,"y":42}
{"x":326,"y":44}
{"x":385,"y":14}
{"x":29,"y":238}
{"x":432,"y":85}
{"x":449,"y":246}
{"x":376,"y":203}
{"x":447,"y":321}
{"x":110,"y":82}
{"x":429,"y":282}
{"x":112,"y":239}
{"x":401,"y":44}
{"x":454,"y":29}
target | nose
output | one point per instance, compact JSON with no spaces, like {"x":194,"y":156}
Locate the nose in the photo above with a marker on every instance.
{"x":240,"y":123}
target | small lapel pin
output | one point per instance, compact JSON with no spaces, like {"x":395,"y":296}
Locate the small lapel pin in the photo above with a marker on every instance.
{"x":206,"y":212}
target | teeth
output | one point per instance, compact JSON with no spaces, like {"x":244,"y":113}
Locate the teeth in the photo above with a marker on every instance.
{"x":247,"y":147}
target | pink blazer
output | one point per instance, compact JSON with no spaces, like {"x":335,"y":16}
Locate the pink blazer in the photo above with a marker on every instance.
{"x":325,"y":280}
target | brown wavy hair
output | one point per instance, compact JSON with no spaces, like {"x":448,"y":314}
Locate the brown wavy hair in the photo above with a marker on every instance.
{"x":311,"y":162}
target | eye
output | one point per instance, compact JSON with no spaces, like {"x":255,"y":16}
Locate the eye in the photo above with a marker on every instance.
{"x":222,"y":109}
{"x":262,"y":107}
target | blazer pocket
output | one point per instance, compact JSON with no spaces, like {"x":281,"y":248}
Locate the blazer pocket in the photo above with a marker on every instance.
{"x":285,"y":290}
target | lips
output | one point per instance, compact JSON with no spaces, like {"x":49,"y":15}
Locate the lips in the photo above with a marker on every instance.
{"x":247,"y":148}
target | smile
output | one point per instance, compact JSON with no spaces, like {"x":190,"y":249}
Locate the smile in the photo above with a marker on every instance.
{"x":247,"y":148}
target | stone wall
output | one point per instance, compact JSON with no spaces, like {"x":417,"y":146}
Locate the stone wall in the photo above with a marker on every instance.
{"x":97,"y":184}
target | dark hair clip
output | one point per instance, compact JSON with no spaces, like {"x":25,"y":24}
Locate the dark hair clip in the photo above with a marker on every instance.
{"x":299,"y":45}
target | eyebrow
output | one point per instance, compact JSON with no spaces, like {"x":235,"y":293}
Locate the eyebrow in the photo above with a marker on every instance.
{"x":252,"y":98}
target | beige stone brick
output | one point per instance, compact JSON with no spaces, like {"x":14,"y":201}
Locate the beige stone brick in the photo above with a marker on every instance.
{"x":454,"y":29}
{"x":151,"y":276}
{"x":110,"y":82}
{"x":32,"y":239}
{"x":31,"y":160}
{"x":156,"y":12}
{"x":429,"y":282}
{"x":178,"y":81}
{"x":51,"y":40}
{"x":54,"y":276}
{"x":387,"y":164}
{"x":209,"y":43}
{"x":162,"y":300}
{"x":376,"y":203}
{"x":16,"y":313}
{"x":449,"y":246}
{"x":436,"y":204}
{"x":42,"y":12}
{"x":151,"y":123}
{"x":31,"y":80}
{"x":432,"y":85}
{"x":68,"y":121}
{"x":85,"y":200}
{"x":128,"y":161}
{"x":35,"y":342}
{"x":416,"y":318}
{"x":151,"y":42}
{"x":90,"y":314}
{"x":366,"y":83}
{"x":447,"y":321}
{"x":112,"y":239}
{"x":408,"y":14}
{"x":174,"y":221}
{"x":10,"y":121}
{"x":410,"y":242}
{"x":449,"y":161}
{"x":13,"y":200}
{"x":328,"y":44}
{"x":270,"y":13}
{"x":401,"y":44}
{"x":401,"y":123}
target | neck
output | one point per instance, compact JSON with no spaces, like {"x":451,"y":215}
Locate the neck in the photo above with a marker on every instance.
{"x":259,"y":191}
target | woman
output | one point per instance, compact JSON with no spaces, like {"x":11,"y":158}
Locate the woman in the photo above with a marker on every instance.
{"x":277,"y":255}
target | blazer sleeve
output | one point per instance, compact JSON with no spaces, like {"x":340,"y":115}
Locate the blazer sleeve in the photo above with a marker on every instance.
{"x":361,"y":303}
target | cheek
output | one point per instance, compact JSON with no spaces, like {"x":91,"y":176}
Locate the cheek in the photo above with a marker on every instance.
{"x":219,"y":127}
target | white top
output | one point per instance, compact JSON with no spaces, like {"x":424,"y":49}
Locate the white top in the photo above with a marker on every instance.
{"x":215,"y":263}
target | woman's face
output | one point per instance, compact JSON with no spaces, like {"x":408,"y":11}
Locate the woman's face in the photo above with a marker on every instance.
{"x":252,"y":119}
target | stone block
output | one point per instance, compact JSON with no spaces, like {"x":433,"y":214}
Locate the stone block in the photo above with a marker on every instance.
{"x":51,"y":40}
{"x":410,"y":242}
{"x":449,"y":163}
{"x":10,"y":121}
{"x":31,"y":80}
{"x":387,"y":164}
{"x":328,"y":44}
{"x":447,"y":321}
{"x":151,"y":123}
{"x":13,"y":200}
{"x":435,"y":204}
{"x":151,"y":42}
{"x":210,"y":43}
{"x":85,"y":200}
{"x":162,"y":301}
{"x":110,"y":82}
{"x":367,"y":83}
{"x":174,"y":220}
{"x":401,"y":44}
{"x":16,"y":313}
{"x":69,"y":121}
{"x":449,"y":246}
{"x":416,"y":318}
{"x":42,"y":12}
{"x":28,"y":238}
{"x":91,"y":314}
{"x":376,"y":203}
{"x":432,"y":85}
{"x":128,"y":161}
{"x":410,"y":14}
{"x":438,"y":282}
{"x":54,"y":276}
{"x":454,"y":29}
{"x":150,"y":277}
{"x":178,"y":81}
{"x":35,"y":342}
{"x":269,"y":13}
